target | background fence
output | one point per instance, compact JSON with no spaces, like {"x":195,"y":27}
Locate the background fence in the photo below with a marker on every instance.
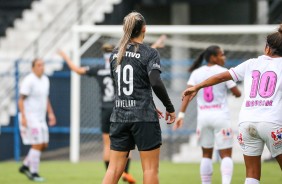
{"x":176,"y":57}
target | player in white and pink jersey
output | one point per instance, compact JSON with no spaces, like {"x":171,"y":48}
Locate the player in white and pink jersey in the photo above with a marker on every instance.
{"x":260,"y":120}
{"x":33,"y":105}
{"x":214,"y":124}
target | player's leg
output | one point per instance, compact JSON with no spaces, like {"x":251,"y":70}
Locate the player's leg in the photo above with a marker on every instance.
{"x":271,"y":133}
{"x":206,"y":166}
{"x":252,"y":146}
{"x":224,"y":142}
{"x":39,"y":145}
{"x":206,"y":140}
{"x":35,"y":155}
{"x":226,"y":166}
{"x":106,"y":157}
{"x":125,"y":175}
{"x":35,"y":134}
{"x":24,"y":169}
{"x":253,"y":169}
{"x":121,"y":141}
{"x":106,"y":149}
{"x":279,"y":160}
{"x":116,"y":166}
{"x":148,"y":139}
{"x":105,"y":126}
{"x":150,"y":166}
{"x":26,"y":139}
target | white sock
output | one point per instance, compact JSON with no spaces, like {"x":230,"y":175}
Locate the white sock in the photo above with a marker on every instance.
{"x":251,"y":181}
{"x":26,"y":161}
{"x":206,"y":170}
{"x":226,"y":169}
{"x":34,"y":159}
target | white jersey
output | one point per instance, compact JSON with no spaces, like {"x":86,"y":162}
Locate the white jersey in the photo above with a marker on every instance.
{"x":211,"y":99}
{"x":262,"y":88}
{"x":37,"y":91}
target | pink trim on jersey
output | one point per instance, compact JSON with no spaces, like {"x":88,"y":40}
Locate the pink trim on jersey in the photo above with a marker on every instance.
{"x":234,"y":74}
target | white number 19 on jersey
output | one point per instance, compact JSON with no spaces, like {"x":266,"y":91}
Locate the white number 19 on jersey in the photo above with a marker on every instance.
{"x":126,"y":71}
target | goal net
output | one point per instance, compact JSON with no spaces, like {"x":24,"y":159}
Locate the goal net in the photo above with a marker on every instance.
{"x":182,"y":46}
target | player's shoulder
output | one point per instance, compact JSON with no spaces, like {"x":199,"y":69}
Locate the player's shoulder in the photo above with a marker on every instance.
{"x":255,"y":60}
{"x":147,"y":49}
{"x":45,"y":77}
{"x":220,"y":68}
{"x":200,"y":70}
{"x":252,"y":62}
{"x":29,"y":77}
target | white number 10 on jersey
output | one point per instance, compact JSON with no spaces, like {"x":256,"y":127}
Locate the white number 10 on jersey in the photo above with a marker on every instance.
{"x":126,"y":71}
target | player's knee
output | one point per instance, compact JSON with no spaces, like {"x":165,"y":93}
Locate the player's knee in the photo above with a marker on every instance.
{"x":150,"y":171}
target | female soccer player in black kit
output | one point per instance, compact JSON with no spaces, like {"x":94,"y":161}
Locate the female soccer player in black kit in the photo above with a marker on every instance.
{"x":102,"y":74}
{"x":135,"y":69}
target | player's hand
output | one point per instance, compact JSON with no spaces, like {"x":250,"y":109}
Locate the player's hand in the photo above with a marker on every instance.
{"x":160,"y":43}
{"x":160,"y":114}
{"x":52,"y":119}
{"x":61,"y":53}
{"x":178,"y":123}
{"x":190,"y":93}
{"x":24,"y":122}
{"x":170,"y":117}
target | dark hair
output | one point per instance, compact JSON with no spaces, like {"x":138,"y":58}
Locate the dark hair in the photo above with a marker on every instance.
{"x":206,"y":54}
{"x":132,"y":26}
{"x":34,"y":62}
{"x":274,"y":41}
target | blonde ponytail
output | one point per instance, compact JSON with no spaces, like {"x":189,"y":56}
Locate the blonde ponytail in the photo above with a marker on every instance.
{"x":129,"y":24}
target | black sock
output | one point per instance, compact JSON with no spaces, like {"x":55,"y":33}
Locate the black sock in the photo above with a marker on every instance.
{"x":107,"y":164}
{"x":127,"y":166}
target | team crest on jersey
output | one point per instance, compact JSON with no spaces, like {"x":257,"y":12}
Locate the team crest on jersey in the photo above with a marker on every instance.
{"x":277,"y":137}
{"x":240,"y":141}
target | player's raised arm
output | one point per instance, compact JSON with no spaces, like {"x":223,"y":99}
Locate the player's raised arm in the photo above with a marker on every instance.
{"x":160,"y":43}
{"x":215,"y":79}
{"x":73,"y":67}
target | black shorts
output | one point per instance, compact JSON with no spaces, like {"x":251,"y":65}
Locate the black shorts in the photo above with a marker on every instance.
{"x":145,"y":135}
{"x":105,"y":120}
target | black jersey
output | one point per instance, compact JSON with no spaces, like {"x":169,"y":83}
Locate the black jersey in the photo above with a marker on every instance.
{"x":103,"y":76}
{"x":133,"y":93}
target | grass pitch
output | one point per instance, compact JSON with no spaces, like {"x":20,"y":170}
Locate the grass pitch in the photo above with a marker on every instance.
{"x":60,"y":172}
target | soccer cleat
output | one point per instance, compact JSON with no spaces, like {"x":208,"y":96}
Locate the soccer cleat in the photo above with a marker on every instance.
{"x":25,"y":170}
{"x":37,"y":178}
{"x":128,"y":178}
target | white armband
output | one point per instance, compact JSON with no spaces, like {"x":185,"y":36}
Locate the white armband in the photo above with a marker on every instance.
{"x":181,"y":115}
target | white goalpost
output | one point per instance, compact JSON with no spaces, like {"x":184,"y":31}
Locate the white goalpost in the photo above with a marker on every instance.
{"x":182,"y":45}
